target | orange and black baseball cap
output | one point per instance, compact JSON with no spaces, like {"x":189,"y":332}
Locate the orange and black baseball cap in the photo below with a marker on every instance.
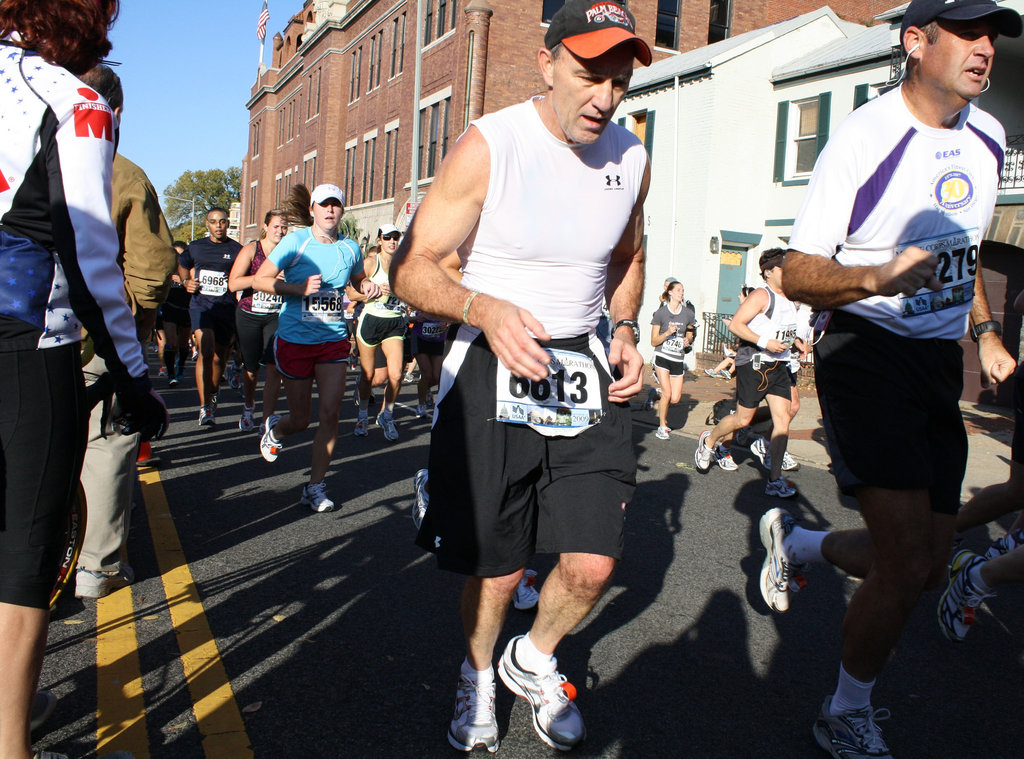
{"x":590,"y":28}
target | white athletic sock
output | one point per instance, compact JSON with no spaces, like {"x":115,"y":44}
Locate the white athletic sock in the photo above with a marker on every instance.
{"x":533,"y":660}
{"x":851,"y":694}
{"x":479,"y":676}
{"x":804,"y":545}
{"x":975,"y":577}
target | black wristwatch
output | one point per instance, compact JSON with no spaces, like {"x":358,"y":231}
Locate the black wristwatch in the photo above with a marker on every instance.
{"x":990,"y":326}
{"x":631,"y":323}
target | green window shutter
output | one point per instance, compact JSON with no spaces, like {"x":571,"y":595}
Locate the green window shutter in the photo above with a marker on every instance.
{"x":824,"y":118}
{"x":860,"y":95}
{"x":649,"y":135}
{"x":622,"y":122}
{"x":781,"y":135}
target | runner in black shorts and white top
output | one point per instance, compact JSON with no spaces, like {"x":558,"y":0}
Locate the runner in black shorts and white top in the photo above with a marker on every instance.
{"x":204,"y":268}
{"x":256,"y":321}
{"x":674,"y":326}
{"x":889,"y":237}
{"x":382,"y":325}
{"x":531,"y":444}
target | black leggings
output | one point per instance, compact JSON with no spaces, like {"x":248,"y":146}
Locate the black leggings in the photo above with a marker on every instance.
{"x":256,"y":338}
{"x":43,"y":430}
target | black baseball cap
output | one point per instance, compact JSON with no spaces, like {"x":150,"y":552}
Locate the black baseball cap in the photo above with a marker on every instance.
{"x":590,"y":28}
{"x":920,"y":13}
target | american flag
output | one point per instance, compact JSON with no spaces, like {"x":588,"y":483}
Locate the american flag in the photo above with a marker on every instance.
{"x":261,"y":25}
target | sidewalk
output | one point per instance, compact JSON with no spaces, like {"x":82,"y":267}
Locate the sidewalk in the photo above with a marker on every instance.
{"x":989,"y":430}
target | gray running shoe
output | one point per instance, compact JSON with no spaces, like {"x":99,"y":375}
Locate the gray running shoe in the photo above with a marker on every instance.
{"x":779,"y":576}
{"x":961,"y":597}
{"x":206,"y":416}
{"x":314,"y":495}
{"x":851,"y":735}
{"x":387,"y":423}
{"x":1005,"y":544}
{"x":526,"y":595}
{"x":474,"y":723}
{"x":556,"y":718}
{"x":419,"y":485}
{"x":702,"y":456}
{"x":723,"y":457}
{"x":781,"y":488}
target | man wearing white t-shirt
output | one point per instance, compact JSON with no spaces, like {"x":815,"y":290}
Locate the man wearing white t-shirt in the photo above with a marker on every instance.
{"x":531,"y":447}
{"x":889,"y":237}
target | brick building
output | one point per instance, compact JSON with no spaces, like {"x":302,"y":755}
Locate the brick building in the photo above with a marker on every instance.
{"x":336,"y":102}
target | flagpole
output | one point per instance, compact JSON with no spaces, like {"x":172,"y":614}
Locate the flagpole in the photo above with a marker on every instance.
{"x":259,"y":68}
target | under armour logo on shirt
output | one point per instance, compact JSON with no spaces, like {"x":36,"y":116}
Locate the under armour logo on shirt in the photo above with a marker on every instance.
{"x":608,"y":179}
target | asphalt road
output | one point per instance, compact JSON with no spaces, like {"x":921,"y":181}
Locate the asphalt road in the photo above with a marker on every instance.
{"x":341,"y":638}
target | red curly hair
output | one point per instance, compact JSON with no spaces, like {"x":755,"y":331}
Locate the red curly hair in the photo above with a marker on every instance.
{"x":70,"y":33}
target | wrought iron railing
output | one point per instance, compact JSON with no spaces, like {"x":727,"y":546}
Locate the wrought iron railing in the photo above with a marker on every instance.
{"x":1013,"y":163}
{"x":716,"y":333}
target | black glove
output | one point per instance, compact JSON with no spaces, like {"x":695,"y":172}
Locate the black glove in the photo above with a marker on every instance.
{"x":143,"y":411}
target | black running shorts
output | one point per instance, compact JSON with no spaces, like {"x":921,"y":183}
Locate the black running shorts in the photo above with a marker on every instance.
{"x":501,"y":492}
{"x":218,"y":318}
{"x":674,"y":368}
{"x":43,"y":430}
{"x":891,"y":409}
{"x":754,"y":385}
{"x":373,"y":330}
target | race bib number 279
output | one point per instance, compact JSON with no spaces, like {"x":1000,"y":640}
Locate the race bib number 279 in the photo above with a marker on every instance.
{"x":958,"y":265}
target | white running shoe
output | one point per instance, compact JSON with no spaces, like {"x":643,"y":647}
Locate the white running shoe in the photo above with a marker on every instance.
{"x":206,"y":416}
{"x":269,"y":447}
{"x":314,"y":495}
{"x":702,"y":456}
{"x":1005,"y":544}
{"x":781,"y":488}
{"x":474,"y":722}
{"x":421,"y":410}
{"x":419,"y":485}
{"x":360,"y":430}
{"x":526,"y":595}
{"x":759,"y":447}
{"x":779,"y":576}
{"x":662,"y":433}
{"x":961,"y":598}
{"x":245,"y":422}
{"x":851,"y":735}
{"x":387,"y":423}
{"x":711,"y":373}
{"x":556,"y":718}
{"x":723,"y":456}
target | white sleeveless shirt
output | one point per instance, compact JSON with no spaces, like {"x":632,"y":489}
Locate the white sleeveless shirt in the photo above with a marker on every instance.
{"x":552,"y":215}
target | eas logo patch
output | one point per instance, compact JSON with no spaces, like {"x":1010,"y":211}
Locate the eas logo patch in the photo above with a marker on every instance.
{"x":93,"y":119}
{"x":954,"y":190}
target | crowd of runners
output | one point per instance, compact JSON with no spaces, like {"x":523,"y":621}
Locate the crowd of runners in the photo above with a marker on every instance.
{"x":525,"y":350}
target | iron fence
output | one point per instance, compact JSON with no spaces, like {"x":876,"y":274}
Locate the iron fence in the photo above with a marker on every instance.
{"x":1013,"y":163}
{"x":716,"y":333}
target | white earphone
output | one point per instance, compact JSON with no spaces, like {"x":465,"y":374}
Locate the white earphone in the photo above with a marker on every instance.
{"x":911,"y":51}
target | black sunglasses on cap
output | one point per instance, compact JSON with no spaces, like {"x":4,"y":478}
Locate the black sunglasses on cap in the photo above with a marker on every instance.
{"x":391,"y":236}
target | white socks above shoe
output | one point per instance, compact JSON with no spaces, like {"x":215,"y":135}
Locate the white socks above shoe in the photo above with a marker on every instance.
{"x":532,"y":659}
{"x":478,"y":676}
{"x":804,"y":546}
{"x":975,"y":577}
{"x":851,"y":694}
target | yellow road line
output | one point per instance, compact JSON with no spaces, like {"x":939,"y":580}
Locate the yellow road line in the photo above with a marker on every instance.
{"x":120,"y":709}
{"x":217,"y":714}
